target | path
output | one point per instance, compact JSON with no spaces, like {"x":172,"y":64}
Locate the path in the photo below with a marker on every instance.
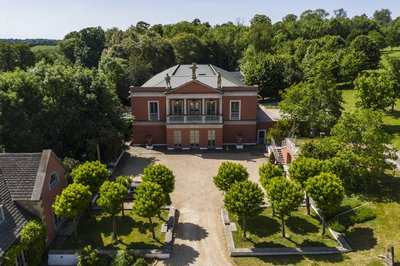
{"x":199,"y":237}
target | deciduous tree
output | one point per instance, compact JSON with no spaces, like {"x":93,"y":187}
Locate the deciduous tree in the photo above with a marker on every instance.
{"x":327,"y":192}
{"x":112,"y":195}
{"x":228,"y":174}
{"x":73,"y":200}
{"x":304,"y":168}
{"x":149,"y":199}
{"x":162,"y":175}
{"x":91,"y":174}
{"x":245,"y":199}
{"x":375,"y":90}
{"x":286,"y":197}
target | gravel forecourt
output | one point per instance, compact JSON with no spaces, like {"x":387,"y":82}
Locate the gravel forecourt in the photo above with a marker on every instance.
{"x":199,"y":236}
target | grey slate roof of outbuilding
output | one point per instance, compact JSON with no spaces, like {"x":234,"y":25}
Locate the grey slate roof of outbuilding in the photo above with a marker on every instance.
{"x":207,"y":74}
{"x":15,"y":218}
{"x":20,"y":171}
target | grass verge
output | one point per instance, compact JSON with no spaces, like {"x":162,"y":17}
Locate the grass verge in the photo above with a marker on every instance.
{"x":264,"y":231}
{"x":133,"y":232}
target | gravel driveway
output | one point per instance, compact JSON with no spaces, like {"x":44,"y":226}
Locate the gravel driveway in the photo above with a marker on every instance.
{"x":199,"y":236}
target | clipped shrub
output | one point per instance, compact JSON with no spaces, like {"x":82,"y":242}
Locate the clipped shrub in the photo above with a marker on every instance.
{"x":363,"y":214}
{"x":140,"y":262}
{"x":337,"y":226}
{"x":87,"y":256}
{"x":123,"y":258}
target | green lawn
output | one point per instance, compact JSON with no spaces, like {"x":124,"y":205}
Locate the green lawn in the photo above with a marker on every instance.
{"x":368,"y":240}
{"x":44,"y":48}
{"x":133,"y":232}
{"x":264,"y":231}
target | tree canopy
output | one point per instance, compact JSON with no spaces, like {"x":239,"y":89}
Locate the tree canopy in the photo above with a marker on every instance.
{"x":245,"y":199}
{"x":91,"y":174}
{"x":228,"y":174}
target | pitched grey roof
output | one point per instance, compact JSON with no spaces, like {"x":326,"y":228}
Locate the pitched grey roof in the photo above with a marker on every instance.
{"x":15,"y":218}
{"x":207,"y":74}
{"x":19,"y":172}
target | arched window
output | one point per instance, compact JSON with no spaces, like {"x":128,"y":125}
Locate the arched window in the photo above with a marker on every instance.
{"x":53,"y":180}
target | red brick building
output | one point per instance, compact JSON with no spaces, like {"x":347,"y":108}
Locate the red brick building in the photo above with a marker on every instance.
{"x":197,"y":106}
{"x":29,"y":184}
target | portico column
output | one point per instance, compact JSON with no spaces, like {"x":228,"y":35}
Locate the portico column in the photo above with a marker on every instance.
{"x":220,"y":108}
{"x":184,"y":111}
{"x":203,"y":107}
{"x":168,"y":106}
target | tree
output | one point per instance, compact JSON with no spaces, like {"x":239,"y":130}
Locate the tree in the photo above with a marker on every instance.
{"x":365,"y":154}
{"x":364,"y":44}
{"x":21,"y":111}
{"x":303,"y":169}
{"x":228,"y":174}
{"x":286,"y":197}
{"x":267,"y":171}
{"x":327,"y":192}
{"x":123,"y":258}
{"x":15,"y":55}
{"x":245,"y":200}
{"x":162,"y":175}
{"x":374,"y":90}
{"x":317,"y":105}
{"x":126,"y":182}
{"x":321,"y":148}
{"x":383,"y":16}
{"x":188,"y":48}
{"x":392,"y":68}
{"x":112,"y":195}
{"x":340,"y":13}
{"x":73,"y":200}
{"x":150,"y":197}
{"x":84,"y":110}
{"x":351,"y":66}
{"x":271,"y":73}
{"x":87,"y":256}
{"x":393,"y":33}
{"x":91,"y":174}
{"x":84,"y":47}
{"x":33,"y":238}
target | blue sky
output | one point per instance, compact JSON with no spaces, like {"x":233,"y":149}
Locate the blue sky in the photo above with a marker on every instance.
{"x":54,"y":19}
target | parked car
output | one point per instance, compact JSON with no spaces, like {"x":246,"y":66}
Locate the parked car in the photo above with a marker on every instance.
{"x":132,"y":189}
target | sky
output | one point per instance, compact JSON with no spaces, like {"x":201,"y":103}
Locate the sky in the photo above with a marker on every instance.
{"x":53,"y":19}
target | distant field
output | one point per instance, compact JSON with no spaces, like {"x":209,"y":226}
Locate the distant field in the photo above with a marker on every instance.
{"x":43,"y":48}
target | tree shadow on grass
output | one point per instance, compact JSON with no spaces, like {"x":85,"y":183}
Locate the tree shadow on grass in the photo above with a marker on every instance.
{"x":387,"y":190}
{"x":262,"y":226}
{"x":310,"y":243}
{"x":190,"y":231}
{"x":182,"y":255}
{"x":361,"y":238}
{"x":301,"y":226}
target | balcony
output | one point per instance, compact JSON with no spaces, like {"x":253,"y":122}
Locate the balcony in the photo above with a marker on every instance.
{"x":194,"y":119}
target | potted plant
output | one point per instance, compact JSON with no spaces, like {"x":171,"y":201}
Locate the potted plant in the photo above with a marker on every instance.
{"x":149,"y":139}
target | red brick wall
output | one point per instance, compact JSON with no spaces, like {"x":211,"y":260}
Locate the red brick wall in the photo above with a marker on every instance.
{"x":140,"y":133}
{"x":265,"y":124}
{"x":140,"y":109}
{"x":203,"y":132}
{"x":248,"y":107}
{"x":48,"y":196}
{"x":249,"y":133}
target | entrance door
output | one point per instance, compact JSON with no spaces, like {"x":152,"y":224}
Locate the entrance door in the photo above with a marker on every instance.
{"x":261,"y":136}
{"x":194,"y":138}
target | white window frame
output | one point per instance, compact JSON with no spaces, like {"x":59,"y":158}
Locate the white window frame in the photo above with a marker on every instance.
{"x":211,"y":137}
{"x":176,"y":133}
{"x":194,"y":138}
{"x":215,"y":106}
{"x":2,"y":218}
{"x":230,"y":109}
{"x":58,"y":180}
{"x":158,"y":110}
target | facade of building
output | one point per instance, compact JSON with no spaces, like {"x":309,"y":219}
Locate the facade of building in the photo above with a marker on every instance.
{"x":29,"y":183}
{"x":197,"y":107}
